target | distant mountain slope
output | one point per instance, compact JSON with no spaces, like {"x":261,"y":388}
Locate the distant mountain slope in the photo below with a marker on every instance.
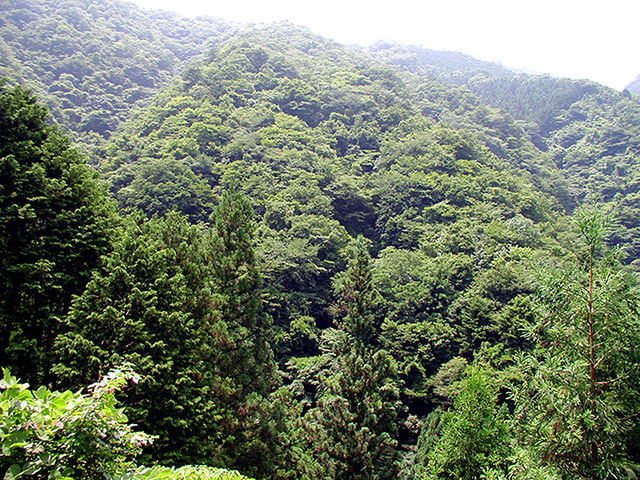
{"x":634,"y":87}
{"x":329,"y":145}
{"x":589,"y":131}
{"x":94,"y":61}
{"x":452,"y":67}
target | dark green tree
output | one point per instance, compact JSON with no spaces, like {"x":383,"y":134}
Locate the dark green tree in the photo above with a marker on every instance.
{"x":354,"y":422}
{"x":357,"y":297}
{"x":236,"y":284}
{"x":183,"y":305}
{"x":243,"y":358}
{"x":55,"y":223}
{"x":151,"y":304}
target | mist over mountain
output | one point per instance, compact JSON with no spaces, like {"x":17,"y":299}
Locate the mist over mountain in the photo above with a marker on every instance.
{"x":634,"y":87}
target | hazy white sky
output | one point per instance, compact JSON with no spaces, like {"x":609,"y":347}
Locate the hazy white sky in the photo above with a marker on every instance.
{"x":593,"y":39}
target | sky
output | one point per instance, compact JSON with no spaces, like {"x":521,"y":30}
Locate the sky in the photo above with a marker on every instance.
{"x":592,"y":39}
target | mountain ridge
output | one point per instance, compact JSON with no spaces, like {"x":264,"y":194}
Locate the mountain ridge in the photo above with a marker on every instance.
{"x":634,"y":86}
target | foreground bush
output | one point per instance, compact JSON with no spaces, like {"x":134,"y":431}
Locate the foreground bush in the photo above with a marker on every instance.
{"x":185,"y":473}
{"x":67,"y":436}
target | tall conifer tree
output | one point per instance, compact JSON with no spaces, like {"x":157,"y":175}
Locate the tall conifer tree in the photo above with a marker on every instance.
{"x":183,"y":304}
{"x":237,"y":287}
{"x":355,"y":417}
{"x":151,"y":304}
{"x":469,"y":440}
{"x":578,"y":406}
{"x":55,"y":223}
{"x":242,"y":355}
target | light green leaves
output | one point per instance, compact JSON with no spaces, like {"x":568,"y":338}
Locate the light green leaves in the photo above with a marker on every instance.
{"x":60,"y":435}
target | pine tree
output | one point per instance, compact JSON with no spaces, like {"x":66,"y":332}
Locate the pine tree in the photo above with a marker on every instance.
{"x":55,"y":223}
{"x":577,"y":408}
{"x":354,"y":422}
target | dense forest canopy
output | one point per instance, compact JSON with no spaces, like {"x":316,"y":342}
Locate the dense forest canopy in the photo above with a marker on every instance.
{"x":315,"y":261}
{"x":94,"y":62}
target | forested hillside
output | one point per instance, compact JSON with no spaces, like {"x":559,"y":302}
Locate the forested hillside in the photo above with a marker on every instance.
{"x":319,"y":261}
{"x":94,"y":62}
{"x":590,"y":132}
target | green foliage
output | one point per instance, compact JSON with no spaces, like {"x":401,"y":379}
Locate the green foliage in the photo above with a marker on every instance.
{"x":67,"y":435}
{"x":55,"y":223}
{"x":354,"y":436}
{"x":325,"y":156}
{"x":357,"y":296}
{"x":353,"y":425}
{"x":95,"y":64}
{"x":453,"y":197}
{"x":236,"y":285}
{"x":577,"y":405}
{"x":576,"y":137}
{"x":182,"y":304}
{"x":590,"y":131}
{"x":184,"y":473}
{"x":150,"y":304}
{"x":164,"y":186}
{"x":472,"y":438}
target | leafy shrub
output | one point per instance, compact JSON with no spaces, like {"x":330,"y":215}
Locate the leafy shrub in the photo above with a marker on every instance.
{"x":198,"y":472}
{"x":65,"y":435}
